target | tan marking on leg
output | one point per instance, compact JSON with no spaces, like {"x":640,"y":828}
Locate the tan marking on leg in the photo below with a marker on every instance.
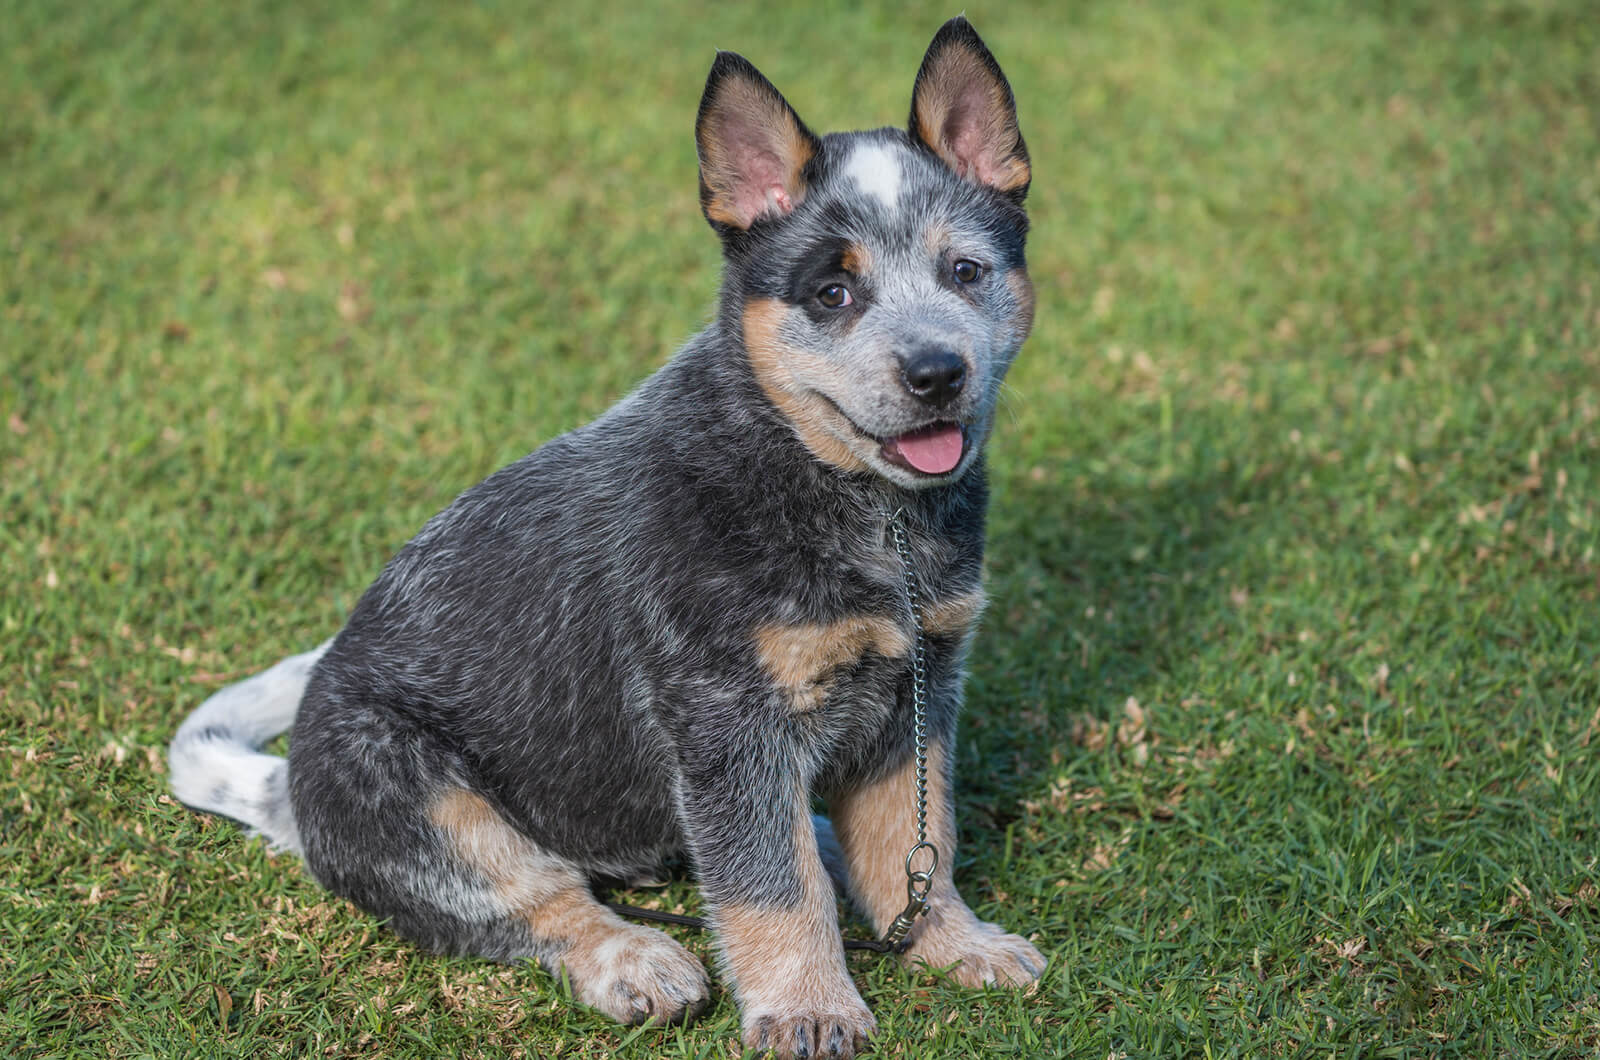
{"x":815,"y":421}
{"x":787,"y":962}
{"x":856,"y":260}
{"x":577,"y":920}
{"x":958,"y":614}
{"x":517,"y":870}
{"x":774,"y":950}
{"x":875,"y":827}
{"x":802,"y":658}
{"x":1022,"y":289}
{"x":978,"y":952}
{"x":631,"y":973}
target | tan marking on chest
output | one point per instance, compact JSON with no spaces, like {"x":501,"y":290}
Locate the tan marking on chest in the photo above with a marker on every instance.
{"x":802,"y":658}
{"x":775,"y":362}
{"x":956,"y":614}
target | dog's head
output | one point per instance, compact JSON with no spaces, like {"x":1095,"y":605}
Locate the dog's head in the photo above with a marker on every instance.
{"x":878,"y":276}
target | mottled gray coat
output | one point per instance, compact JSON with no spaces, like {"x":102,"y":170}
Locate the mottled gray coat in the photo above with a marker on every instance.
{"x":668,"y":630}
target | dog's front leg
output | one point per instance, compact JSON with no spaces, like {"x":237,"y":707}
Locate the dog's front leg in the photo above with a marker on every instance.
{"x":755,"y":849}
{"x":876,"y":825}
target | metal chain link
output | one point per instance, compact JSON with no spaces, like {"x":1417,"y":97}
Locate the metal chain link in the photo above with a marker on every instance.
{"x":919,"y":882}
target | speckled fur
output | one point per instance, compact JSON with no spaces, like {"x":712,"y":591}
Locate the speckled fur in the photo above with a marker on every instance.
{"x":566,"y":665}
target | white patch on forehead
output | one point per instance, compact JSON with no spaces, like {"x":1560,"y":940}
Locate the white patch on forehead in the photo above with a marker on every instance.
{"x":876,"y":172}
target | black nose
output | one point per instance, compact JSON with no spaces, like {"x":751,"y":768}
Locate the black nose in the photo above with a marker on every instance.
{"x":935,"y":376}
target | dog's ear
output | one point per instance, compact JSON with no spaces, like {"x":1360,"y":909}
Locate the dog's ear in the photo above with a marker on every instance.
{"x":753,"y":147}
{"x":963,"y":111}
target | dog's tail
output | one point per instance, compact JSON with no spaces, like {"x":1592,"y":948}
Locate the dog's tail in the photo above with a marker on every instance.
{"x":214,"y":764}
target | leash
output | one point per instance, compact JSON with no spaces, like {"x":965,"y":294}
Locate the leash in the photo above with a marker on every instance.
{"x":918,"y":881}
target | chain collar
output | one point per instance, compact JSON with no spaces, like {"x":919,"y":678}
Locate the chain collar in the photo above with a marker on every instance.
{"x":919,"y":882}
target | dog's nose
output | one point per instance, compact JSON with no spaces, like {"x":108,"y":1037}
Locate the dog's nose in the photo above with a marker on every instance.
{"x":935,"y":376}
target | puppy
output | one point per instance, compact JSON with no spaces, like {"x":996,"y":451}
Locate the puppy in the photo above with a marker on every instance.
{"x":669,"y":629}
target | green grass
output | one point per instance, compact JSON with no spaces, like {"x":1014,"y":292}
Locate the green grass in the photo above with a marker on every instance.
{"x":1282,"y":728}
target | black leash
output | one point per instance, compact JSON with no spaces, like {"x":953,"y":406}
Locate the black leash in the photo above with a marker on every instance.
{"x":699,"y":924}
{"x":918,"y":881}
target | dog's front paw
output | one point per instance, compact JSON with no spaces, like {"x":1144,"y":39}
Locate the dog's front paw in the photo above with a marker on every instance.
{"x":831,"y":1030}
{"x":981,"y":953}
{"x":639,"y":976}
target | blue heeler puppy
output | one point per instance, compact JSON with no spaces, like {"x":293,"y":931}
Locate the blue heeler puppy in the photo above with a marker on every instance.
{"x":668,"y":630}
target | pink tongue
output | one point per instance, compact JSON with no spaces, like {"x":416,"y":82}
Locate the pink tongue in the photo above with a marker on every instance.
{"x":932,"y":450}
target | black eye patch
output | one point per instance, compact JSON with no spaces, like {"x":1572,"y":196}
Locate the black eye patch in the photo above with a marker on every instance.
{"x":824,"y":267}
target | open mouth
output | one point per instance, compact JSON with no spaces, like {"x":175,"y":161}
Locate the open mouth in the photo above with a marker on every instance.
{"x":936,"y":449}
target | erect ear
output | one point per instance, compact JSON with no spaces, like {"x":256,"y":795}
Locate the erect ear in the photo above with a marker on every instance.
{"x":753,"y":147}
{"x":963,"y":111}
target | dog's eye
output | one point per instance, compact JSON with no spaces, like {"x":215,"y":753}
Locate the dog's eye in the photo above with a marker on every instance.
{"x":835,"y":296}
{"x":967,"y":271}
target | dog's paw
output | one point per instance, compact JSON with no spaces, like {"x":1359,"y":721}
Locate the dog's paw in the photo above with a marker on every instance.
{"x":981,"y":953}
{"x":639,"y":976}
{"x":833,"y":1030}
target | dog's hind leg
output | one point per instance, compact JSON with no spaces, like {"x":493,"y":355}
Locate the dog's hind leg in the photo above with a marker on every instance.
{"x":389,"y":819}
{"x":632,"y":973}
{"x":452,"y":874}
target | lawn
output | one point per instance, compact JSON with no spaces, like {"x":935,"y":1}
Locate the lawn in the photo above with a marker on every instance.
{"x":1282,"y":727}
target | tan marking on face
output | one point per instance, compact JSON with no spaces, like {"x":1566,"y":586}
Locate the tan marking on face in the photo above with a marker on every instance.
{"x":788,"y":959}
{"x":875,"y":830}
{"x":743,"y":105}
{"x":936,"y":239}
{"x":815,"y":421}
{"x":958,"y":614}
{"x":856,"y":260}
{"x":1022,"y":290}
{"x":803,"y":658}
{"x":940,"y":93}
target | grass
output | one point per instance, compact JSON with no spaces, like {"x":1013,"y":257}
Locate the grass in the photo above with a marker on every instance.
{"x":1282,"y":720}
